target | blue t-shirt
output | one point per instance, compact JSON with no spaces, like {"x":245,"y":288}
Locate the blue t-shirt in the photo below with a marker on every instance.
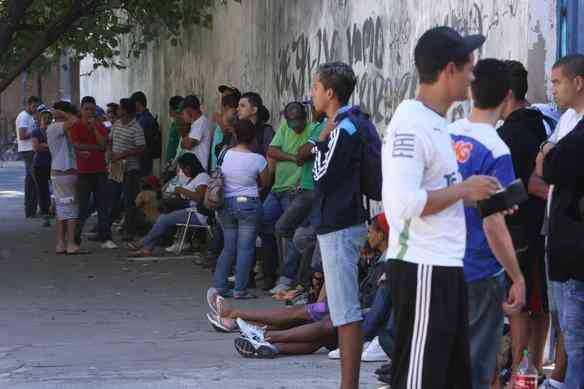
{"x":480,"y":150}
{"x":41,"y":158}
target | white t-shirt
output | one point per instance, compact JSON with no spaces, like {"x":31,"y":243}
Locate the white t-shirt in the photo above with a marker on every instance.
{"x":241,"y":172}
{"x":566,"y":124}
{"x":417,"y":157}
{"x":62,"y":152}
{"x":192,"y":185}
{"x":24,"y":120}
{"x":200,"y":131}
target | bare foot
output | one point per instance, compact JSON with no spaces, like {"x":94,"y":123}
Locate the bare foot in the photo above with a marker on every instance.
{"x":226,"y":310}
{"x":60,"y":249}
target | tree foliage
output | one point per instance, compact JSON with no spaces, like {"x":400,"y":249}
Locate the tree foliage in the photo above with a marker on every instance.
{"x":33,"y":32}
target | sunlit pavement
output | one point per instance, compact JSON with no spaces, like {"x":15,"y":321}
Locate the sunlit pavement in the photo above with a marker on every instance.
{"x":100,"y":321}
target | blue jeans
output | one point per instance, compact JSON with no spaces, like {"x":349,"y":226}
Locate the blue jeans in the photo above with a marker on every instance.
{"x":166,"y":222}
{"x":378,"y":316}
{"x":340,"y":258}
{"x":572,"y":323}
{"x":274,"y":207}
{"x":239,"y":217}
{"x":485,"y":315}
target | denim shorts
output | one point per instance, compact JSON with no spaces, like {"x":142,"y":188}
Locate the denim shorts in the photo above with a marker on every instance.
{"x":340,"y":258}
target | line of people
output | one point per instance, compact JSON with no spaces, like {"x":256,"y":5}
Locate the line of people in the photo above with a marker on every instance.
{"x":449,"y":274}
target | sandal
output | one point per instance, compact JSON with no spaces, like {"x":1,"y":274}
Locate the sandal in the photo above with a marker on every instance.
{"x":134,"y":245}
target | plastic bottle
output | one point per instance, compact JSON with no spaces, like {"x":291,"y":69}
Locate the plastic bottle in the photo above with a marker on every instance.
{"x":526,"y":377}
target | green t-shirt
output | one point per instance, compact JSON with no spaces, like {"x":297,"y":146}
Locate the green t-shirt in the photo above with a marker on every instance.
{"x":217,"y":138}
{"x":307,"y":178}
{"x":288,"y":173}
{"x":173,"y":141}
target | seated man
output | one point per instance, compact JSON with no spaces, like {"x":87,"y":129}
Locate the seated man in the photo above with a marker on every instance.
{"x":300,"y":329}
{"x":193,"y":190}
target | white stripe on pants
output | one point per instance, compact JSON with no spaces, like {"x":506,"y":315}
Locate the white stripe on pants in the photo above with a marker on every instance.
{"x":423,"y":293}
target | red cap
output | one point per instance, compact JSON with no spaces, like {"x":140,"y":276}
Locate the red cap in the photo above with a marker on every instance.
{"x":382,"y":223}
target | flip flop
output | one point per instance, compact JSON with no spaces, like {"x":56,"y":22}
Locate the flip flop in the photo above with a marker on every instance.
{"x":78,"y":252}
{"x":134,"y":246}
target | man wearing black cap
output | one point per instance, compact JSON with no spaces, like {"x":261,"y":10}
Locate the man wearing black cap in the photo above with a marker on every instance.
{"x":423,"y":193}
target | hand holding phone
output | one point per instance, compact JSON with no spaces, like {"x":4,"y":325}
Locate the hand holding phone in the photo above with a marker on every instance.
{"x":505,"y":199}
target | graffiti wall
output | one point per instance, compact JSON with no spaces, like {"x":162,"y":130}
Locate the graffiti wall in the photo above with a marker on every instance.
{"x":274,"y":47}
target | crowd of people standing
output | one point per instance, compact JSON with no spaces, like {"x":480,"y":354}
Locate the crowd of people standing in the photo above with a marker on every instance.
{"x":428,"y":284}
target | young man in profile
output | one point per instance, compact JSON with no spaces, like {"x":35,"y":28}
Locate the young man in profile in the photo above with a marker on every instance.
{"x":489,"y":248}
{"x":341,"y":227}
{"x":560,"y":164}
{"x":423,"y":193}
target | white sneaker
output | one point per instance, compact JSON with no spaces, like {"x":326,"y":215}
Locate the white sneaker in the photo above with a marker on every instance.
{"x":335,"y":354}
{"x":257,"y":334}
{"x":252,"y":348}
{"x":176,"y":245}
{"x":373,"y":352}
{"x":279,"y":288}
{"x":109,"y":244}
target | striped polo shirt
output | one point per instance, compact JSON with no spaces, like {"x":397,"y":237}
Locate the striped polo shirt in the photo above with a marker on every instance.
{"x":125,"y":138}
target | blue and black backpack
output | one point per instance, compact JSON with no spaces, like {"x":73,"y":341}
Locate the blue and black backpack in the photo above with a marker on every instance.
{"x":370,"y":161}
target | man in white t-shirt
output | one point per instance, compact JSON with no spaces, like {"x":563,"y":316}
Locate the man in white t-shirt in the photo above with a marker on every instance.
{"x":198,"y":141}
{"x":423,"y":195}
{"x":25,"y":124}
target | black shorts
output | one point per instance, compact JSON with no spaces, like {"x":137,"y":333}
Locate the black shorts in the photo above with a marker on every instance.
{"x":432,"y":348}
{"x":532,"y":264}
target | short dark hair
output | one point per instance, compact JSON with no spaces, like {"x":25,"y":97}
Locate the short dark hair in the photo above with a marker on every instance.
{"x":128,"y":105}
{"x":191,"y":101}
{"x":572,"y":65}
{"x":229,"y":101}
{"x":140,"y":97}
{"x":244,"y":131}
{"x":33,"y":99}
{"x":174,"y":102}
{"x":113,"y":106}
{"x":88,"y":100}
{"x":339,"y":77}
{"x":254,"y":99}
{"x":65,"y":106}
{"x":491,"y":83}
{"x":518,"y":75}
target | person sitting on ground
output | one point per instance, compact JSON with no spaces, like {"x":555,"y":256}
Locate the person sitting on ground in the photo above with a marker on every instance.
{"x":244,"y":172}
{"x":300,"y":329}
{"x":194,"y":190}
{"x":64,"y":177}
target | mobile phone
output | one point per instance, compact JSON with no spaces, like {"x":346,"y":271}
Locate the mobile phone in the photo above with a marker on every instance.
{"x":506,"y":198}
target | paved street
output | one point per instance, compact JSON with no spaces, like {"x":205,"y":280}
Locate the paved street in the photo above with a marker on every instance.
{"x":100,"y":321}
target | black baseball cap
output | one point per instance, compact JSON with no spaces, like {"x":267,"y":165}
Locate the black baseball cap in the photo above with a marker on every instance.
{"x":441,"y":45}
{"x":295,"y":114}
{"x":232,"y":89}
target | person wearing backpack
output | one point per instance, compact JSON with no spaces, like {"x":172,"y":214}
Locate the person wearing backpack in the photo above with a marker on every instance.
{"x":151,"y":133}
{"x":244,"y":173}
{"x":339,"y":213}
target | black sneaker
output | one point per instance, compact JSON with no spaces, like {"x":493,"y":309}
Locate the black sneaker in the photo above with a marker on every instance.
{"x":249,"y":348}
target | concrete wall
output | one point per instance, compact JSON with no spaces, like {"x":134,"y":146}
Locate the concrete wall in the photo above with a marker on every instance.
{"x":273,"y":47}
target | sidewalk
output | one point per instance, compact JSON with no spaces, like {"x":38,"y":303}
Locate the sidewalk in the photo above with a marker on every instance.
{"x":100,"y":321}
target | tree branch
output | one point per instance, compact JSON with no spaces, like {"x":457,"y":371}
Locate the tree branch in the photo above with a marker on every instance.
{"x":51,"y":35}
{"x":16,"y":11}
